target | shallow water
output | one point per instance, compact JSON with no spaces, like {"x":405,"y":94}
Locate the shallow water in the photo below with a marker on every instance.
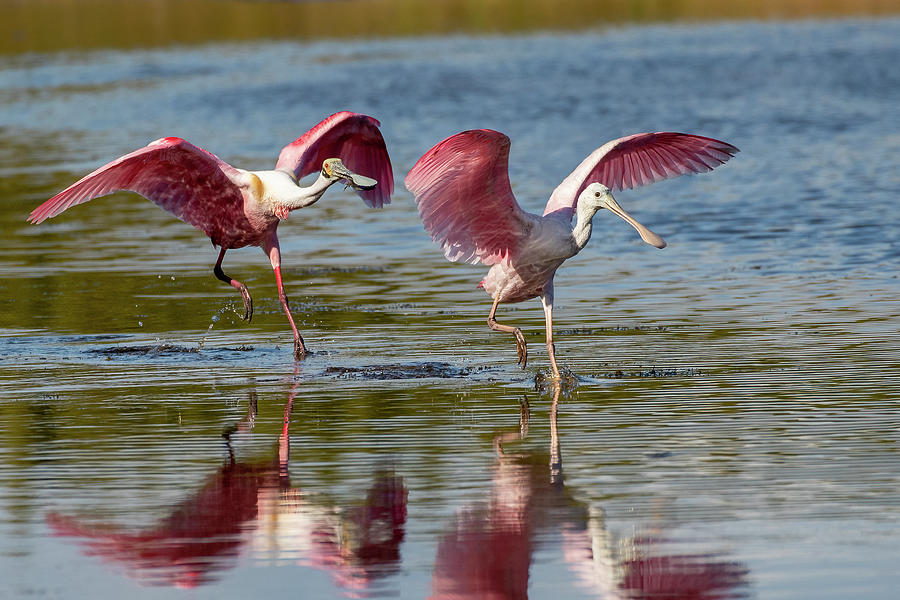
{"x":734,"y":429}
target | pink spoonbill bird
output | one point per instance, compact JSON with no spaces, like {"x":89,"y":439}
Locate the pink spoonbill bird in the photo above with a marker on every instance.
{"x":238,"y":208}
{"x":465,"y":200}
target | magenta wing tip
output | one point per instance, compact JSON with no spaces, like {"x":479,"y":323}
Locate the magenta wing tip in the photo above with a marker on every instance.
{"x":45,"y":211}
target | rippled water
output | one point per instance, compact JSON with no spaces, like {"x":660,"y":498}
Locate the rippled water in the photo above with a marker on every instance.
{"x":734,"y":430}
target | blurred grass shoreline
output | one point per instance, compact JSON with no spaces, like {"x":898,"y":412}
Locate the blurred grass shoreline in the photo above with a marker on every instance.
{"x":73,"y":25}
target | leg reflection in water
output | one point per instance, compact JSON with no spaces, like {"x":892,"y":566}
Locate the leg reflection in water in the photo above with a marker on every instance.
{"x":488,"y":550}
{"x":252,"y":507}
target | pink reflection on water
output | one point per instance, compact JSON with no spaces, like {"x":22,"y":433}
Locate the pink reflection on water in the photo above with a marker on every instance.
{"x":489,"y":549}
{"x":253,"y":505}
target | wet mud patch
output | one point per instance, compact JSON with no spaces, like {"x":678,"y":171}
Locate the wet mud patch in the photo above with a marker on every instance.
{"x":612,"y":329}
{"x":155,"y":349}
{"x":90,"y":339}
{"x":652,"y":373}
{"x":145,"y":349}
{"x":439,"y":370}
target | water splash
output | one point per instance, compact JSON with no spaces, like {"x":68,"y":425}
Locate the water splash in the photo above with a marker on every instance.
{"x":212,"y":322}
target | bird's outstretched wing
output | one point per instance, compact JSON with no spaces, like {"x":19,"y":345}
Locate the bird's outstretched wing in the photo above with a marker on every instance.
{"x":194,"y":185}
{"x":462,"y":190}
{"x":351,"y":137}
{"x":640,"y":159}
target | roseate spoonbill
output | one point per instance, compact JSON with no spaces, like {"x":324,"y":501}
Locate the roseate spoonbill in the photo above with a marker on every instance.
{"x":464,"y":197}
{"x":238,"y":208}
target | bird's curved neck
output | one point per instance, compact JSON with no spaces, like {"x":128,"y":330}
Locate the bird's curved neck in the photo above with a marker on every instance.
{"x":304,"y":196}
{"x":583,"y":224}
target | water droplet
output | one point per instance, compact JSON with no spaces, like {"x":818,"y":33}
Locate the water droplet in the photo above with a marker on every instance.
{"x":215,"y":318}
{"x":140,"y":323}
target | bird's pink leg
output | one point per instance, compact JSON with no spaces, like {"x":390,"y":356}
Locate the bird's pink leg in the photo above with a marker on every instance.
{"x":284,"y":440}
{"x":556,"y":473}
{"x":547,"y":302}
{"x":524,"y":418}
{"x":274,"y":253}
{"x":245,"y":293}
{"x":521,"y":346}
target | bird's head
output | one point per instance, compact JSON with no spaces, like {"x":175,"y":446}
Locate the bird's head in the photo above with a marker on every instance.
{"x":597,"y":196}
{"x":335,"y":170}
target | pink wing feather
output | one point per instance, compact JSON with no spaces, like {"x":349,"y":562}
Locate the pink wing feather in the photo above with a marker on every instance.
{"x":640,"y":159}
{"x":356,"y":140}
{"x":194,"y":185}
{"x":463,"y":194}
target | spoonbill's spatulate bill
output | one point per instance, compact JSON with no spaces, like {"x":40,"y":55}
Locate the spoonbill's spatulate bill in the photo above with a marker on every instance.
{"x":238,"y":208}
{"x":464,"y":197}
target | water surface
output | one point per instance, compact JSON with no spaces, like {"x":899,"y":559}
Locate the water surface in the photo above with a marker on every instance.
{"x":734,"y":428}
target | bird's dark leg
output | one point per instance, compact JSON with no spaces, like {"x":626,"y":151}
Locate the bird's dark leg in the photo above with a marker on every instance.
{"x":275,"y":257}
{"x":244,"y":424}
{"x":521,"y":346}
{"x":245,"y":293}
{"x":547,"y":302}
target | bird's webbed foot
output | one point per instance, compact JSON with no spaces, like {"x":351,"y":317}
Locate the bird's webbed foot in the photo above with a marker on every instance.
{"x":521,"y":347}
{"x":248,"y":303}
{"x":299,"y":349}
{"x":245,"y":293}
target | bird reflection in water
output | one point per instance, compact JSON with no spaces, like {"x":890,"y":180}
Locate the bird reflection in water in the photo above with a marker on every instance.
{"x":251,"y":507}
{"x":488,"y":552}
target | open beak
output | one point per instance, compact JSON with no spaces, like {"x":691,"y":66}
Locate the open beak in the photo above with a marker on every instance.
{"x":646,"y":235}
{"x":354,"y":180}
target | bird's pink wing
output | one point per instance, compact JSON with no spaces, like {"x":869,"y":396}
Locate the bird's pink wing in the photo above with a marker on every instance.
{"x":640,"y":159}
{"x":356,"y":140}
{"x":462,"y":190}
{"x":194,"y":185}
